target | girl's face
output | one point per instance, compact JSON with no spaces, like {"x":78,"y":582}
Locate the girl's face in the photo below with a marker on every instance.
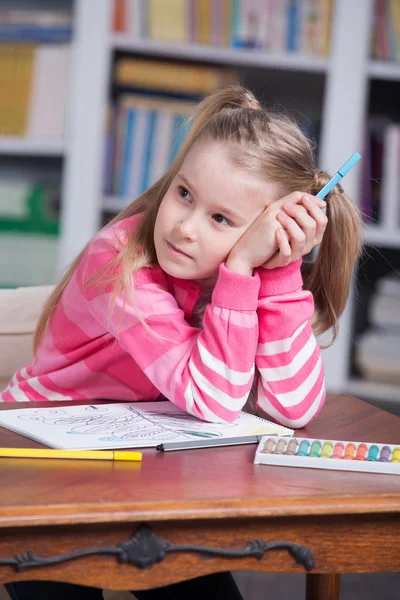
{"x":207,"y":208}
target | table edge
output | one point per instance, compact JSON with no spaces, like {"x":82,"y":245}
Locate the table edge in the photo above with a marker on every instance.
{"x":78,"y":514}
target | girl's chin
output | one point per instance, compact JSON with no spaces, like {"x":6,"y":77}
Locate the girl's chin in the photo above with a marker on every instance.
{"x":177,"y":270}
{"x":181,"y":270}
{"x":191,"y":274}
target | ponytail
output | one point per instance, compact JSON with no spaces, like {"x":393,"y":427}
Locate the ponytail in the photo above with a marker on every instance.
{"x":329,"y":277}
{"x":232,"y":97}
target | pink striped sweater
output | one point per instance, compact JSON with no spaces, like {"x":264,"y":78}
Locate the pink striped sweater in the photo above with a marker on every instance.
{"x":89,"y":352}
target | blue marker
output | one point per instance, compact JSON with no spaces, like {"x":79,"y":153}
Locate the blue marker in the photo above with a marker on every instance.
{"x":338,"y":176}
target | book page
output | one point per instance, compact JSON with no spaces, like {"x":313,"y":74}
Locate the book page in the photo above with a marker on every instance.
{"x":125,"y":425}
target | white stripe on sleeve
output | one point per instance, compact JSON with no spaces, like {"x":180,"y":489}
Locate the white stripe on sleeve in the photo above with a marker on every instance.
{"x":206,"y":387}
{"x":264,"y":404}
{"x":296,"y":396}
{"x":279,"y":346}
{"x":218,"y":366}
{"x":289,"y":370}
{"x":191,"y":396}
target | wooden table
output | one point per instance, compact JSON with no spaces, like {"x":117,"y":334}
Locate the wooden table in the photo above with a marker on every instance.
{"x":154,"y":523}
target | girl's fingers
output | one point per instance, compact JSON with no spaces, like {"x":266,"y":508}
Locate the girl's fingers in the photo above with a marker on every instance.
{"x":311,"y":219}
{"x":298,"y":198}
{"x":285,"y":250}
{"x":300,"y":240}
{"x":283,"y":256}
{"x":319,"y":217}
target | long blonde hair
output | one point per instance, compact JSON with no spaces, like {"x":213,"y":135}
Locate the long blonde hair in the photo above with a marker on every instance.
{"x":274,"y":149}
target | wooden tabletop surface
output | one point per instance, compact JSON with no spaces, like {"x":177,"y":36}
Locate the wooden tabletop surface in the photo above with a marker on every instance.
{"x":195,"y":484}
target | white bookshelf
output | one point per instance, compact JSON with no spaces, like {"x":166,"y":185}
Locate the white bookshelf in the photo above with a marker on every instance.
{"x":379,"y":69}
{"x":114,"y":204}
{"x":374,"y":390}
{"x":346,"y":74}
{"x":85,"y":122}
{"x":19,"y":146}
{"x":28,"y":161}
{"x":380,"y":236}
{"x":217,"y":55}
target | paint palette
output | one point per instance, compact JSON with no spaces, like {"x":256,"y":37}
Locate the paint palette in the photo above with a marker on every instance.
{"x":338,"y":455}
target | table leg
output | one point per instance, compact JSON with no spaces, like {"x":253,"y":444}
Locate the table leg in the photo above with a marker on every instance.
{"x":322,"y":587}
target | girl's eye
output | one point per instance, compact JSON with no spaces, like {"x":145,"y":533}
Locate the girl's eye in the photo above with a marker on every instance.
{"x":184,"y":193}
{"x":221,"y":219}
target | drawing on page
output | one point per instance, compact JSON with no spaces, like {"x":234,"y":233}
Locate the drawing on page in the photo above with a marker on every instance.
{"x":128,"y":425}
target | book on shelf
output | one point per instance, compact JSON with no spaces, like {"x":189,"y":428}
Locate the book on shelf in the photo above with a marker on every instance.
{"x":380,"y":184}
{"x":171,"y":77}
{"x":377,"y":349}
{"x":391,"y":178}
{"x":53,"y":26}
{"x":16,"y":66}
{"x":366,"y":196}
{"x":34,"y":90}
{"x":29,"y":207}
{"x":29,"y":227}
{"x":167,"y":21}
{"x":146,"y":135}
{"x":389,"y":285}
{"x":202,"y":26}
{"x":301,"y":26}
{"x":148,"y":119}
{"x":384,"y":310}
{"x":385,"y":36}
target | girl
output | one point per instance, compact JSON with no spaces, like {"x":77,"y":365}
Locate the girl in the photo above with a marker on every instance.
{"x":201,"y":280}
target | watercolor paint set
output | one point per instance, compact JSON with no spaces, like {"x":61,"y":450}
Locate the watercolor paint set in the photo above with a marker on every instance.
{"x":338,"y":455}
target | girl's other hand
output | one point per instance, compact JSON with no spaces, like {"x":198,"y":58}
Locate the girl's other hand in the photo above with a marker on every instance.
{"x":302,"y":224}
{"x":303,"y":227}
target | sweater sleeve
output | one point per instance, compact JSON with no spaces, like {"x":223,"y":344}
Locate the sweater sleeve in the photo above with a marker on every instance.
{"x":208,"y":372}
{"x":291,"y":386}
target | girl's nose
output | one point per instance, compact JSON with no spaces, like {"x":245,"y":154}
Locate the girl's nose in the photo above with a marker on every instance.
{"x":187,"y":229}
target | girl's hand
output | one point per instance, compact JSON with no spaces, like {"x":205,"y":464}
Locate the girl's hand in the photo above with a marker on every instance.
{"x":260,"y":242}
{"x":303,"y":226}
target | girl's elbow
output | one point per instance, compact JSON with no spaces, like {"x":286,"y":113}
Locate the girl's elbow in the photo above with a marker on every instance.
{"x":293,"y":416}
{"x":213,"y":415}
{"x":296,"y":421}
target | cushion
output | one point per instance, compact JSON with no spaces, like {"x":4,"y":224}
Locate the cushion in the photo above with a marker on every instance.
{"x":20,"y":310}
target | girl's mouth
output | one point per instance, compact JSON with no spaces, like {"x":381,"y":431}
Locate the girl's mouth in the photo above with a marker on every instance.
{"x":176,"y":251}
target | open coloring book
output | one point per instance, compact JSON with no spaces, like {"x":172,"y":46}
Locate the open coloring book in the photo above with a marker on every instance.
{"x":125,"y":425}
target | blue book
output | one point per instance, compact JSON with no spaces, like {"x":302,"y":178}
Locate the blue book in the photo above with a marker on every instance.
{"x":148,"y":152}
{"x":180,"y":130}
{"x":235,"y":24}
{"x":35,"y":33}
{"x":127,"y":155}
{"x":292,"y":26}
